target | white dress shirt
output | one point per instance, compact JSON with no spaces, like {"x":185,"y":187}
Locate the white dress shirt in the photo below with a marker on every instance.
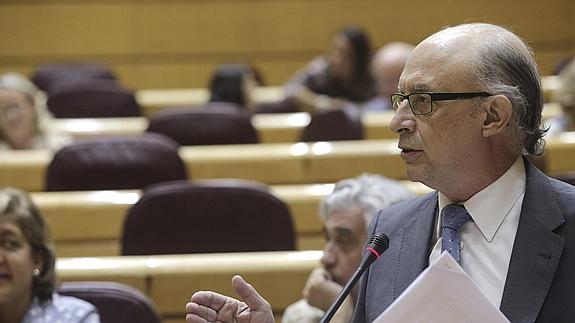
{"x":487,"y":241}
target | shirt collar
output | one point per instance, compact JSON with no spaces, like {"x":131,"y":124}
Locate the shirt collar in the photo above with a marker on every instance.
{"x":489,"y":207}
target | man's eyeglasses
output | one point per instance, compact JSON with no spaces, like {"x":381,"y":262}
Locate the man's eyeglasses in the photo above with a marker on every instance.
{"x":422,"y":102}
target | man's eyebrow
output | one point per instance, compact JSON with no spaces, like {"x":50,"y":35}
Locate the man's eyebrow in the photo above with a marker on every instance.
{"x":421,"y":87}
{"x":417,"y":87}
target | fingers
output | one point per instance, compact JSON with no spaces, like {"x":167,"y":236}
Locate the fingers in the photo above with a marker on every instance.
{"x":249,"y":295}
{"x":198,"y":313}
{"x":204,"y":307}
{"x":209,"y":299}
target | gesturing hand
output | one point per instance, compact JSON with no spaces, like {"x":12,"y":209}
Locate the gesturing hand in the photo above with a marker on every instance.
{"x":206,"y":306}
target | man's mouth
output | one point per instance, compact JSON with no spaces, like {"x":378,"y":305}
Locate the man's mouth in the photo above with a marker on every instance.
{"x":409,"y":153}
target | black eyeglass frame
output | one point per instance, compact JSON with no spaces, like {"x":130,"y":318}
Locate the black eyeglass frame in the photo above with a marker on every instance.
{"x":436,"y":96}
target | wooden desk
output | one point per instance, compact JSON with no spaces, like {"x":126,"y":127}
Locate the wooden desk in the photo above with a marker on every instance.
{"x":297,"y":163}
{"x":560,"y":153}
{"x":550,"y":84}
{"x":90,"y":223}
{"x":274,"y":164}
{"x":269,"y":163}
{"x":153,"y":101}
{"x":271,"y":128}
{"x":170,"y":280}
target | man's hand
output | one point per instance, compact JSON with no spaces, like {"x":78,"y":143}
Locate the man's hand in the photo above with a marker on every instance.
{"x":320,"y":290}
{"x":208,"y":306}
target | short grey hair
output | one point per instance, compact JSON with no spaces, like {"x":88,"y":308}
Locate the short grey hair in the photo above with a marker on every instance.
{"x":368,"y":192}
{"x":505,"y":65}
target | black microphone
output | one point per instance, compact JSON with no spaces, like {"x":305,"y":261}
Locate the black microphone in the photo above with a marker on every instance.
{"x":376,"y":245}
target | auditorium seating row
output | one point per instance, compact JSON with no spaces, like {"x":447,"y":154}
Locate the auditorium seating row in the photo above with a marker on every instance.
{"x":271,"y":128}
{"x":299,"y":163}
{"x":170,"y":280}
{"x":154,"y":100}
{"x":89,"y":223}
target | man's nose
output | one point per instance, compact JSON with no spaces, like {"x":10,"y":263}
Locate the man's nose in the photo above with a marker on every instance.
{"x":403,"y":120}
{"x":329,"y":257}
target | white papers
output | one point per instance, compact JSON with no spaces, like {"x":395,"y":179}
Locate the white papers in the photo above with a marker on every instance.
{"x":442,"y":293}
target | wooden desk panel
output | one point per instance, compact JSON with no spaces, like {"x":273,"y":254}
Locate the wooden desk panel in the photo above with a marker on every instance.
{"x":271,"y":128}
{"x":131,"y":270}
{"x":550,"y":85}
{"x":560,"y":153}
{"x":268,"y":163}
{"x":273,"y":164}
{"x":153,"y":101}
{"x":24,"y":169}
{"x":330,"y":162}
{"x":170,"y":280}
{"x":278,"y":276}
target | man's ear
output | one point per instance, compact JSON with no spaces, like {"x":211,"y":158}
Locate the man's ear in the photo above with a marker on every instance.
{"x":498,"y":112}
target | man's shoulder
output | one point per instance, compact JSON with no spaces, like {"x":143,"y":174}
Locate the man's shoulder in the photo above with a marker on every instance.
{"x":565,"y":194}
{"x":402,"y":213}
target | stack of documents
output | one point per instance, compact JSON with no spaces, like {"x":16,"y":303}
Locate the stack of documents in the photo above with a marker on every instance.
{"x":442,"y":293}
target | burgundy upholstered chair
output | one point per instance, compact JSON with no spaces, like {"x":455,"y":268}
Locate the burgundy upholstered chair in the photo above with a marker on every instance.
{"x":206,"y":217}
{"x":116,"y":303}
{"x":213,"y":124}
{"x":49,"y":76}
{"x":334,"y":125}
{"x":115,"y":163}
{"x":92,"y":98}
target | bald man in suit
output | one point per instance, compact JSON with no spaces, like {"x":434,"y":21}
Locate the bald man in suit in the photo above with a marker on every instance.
{"x":468,"y":112}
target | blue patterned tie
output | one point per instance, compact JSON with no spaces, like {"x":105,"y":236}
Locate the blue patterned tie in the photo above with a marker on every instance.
{"x":453,"y":217}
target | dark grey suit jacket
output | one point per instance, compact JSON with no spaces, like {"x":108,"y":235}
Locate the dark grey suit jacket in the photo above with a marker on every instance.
{"x":540,"y":284}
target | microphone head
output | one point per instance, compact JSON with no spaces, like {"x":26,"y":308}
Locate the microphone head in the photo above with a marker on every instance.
{"x":378,"y":242}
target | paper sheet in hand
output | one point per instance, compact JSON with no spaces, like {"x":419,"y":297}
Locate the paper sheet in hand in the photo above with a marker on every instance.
{"x":442,"y":293}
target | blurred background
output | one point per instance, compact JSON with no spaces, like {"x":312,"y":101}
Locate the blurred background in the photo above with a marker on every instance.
{"x":154,"y":44}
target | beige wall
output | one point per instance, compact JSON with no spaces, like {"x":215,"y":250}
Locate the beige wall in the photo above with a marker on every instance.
{"x":177,"y":43}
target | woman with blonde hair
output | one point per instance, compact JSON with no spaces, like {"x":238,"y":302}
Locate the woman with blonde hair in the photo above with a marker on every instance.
{"x":25,"y":122}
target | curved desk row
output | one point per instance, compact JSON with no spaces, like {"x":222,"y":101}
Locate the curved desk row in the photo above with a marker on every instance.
{"x":271,"y":128}
{"x":90,"y":223}
{"x":154,"y":100}
{"x":299,"y":163}
{"x":170,"y":280}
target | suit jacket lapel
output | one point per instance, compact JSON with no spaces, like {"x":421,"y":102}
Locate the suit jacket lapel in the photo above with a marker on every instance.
{"x":415,"y":241}
{"x":536,"y":250}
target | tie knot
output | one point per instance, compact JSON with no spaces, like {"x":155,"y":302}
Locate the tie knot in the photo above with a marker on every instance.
{"x":454,"y":216}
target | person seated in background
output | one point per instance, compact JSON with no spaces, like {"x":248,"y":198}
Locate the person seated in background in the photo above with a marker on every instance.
{"x":338,"y":78}
{"x":25,"y":122}
{"x":386,"y":67}
{"x":27,"y":268}
{"x":234,"y":83}
{"x":346,"y":214}
{"x":566,"y":97}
